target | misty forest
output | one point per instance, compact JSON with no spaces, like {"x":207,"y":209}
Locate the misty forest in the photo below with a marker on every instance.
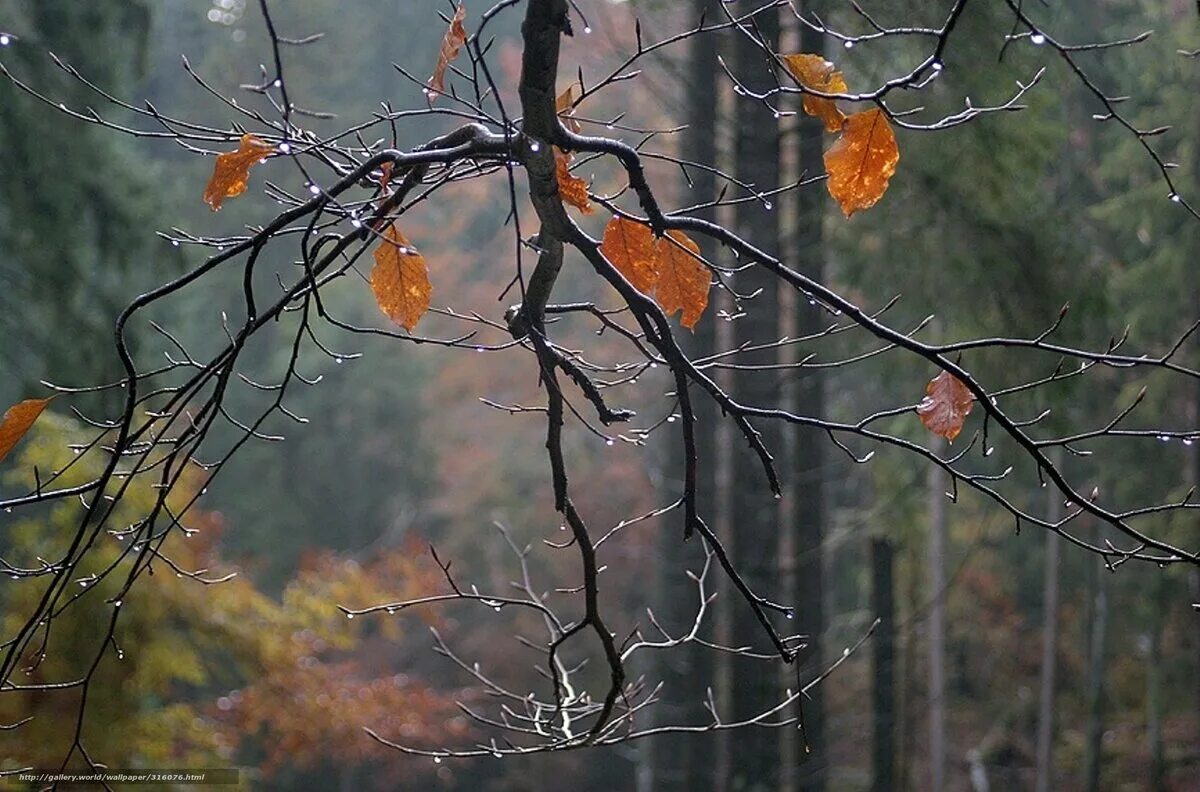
{"x":499,"y":395}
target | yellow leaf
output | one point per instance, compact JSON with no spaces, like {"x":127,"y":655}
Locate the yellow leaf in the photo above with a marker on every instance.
{"x":571,"y":189}
{"x":817,"y":74}
{"x":683,"y":280}
{"x":565,"y":107}
{"x":630,"y":247}
{"x":452,"y":41}
{"x":16,"y":422}
{"x":862,"y":161}
{"x":400,"y":280}
{"x":232,"y":170}
{"x":945,"y":406}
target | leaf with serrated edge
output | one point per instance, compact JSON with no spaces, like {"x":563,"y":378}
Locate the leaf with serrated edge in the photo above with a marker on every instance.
{"x":400,"y":280}
{"x":683,"y":280}
{"x":946,"y":405}
{"x":862,"y":161}
{"x":452,"y":41}
{"x":17,"y":421}
{"x":630,"y":247}
{"x":232,"y":170}
{"x":817,"y":74}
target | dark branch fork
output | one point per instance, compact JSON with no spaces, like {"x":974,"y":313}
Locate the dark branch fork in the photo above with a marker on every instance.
{"x":169,"y":410}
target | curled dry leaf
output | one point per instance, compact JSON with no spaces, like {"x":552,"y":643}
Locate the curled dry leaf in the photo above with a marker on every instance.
{"x":862,"y":161}
{"x":456,"y":36}
{"x":565,"y":107}
{"x":400,"y":280}
{"x":946,"y":405}
{"x":630,"y":247}
{"x":232,"y":170}
{"x":817,"y":74}
{"x":571,"y":189}
{"x":683,"y":280}
{"x":16,"y":422}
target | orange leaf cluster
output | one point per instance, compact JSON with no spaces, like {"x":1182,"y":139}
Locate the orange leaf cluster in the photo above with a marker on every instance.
{"x":456,"y":36}
{"x":863,"y":159}
{"x":17,"y":421}
{"x":572,"y":189}
{"x":818,"y":74}
{"x":232,"y":170}
{"x":946,"y":405}
{"x":668,"y":268}
{"x":400,"y":280}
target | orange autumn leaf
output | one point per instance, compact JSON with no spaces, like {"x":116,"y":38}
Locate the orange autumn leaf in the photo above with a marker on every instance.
{"x":456,"y":36}
{"x":946,"y":405}
{"x":818,"y":74}
{"x":385,"y":176}
{"x":400,"y":280}
{"x":16,"y":422}
{"x":564,"y":106}
{"x":572,"y":189}
{"x":232,"y":170}
{"x":630,"y":247}
{"x":683,"y":280}
{"x":862,"y":161}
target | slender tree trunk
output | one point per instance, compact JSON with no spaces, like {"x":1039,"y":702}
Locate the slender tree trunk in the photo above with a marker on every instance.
{"x":727,"y":600}
{"x":1094,"y":735}
{"x":723,"y":507}
{"x":1159,"y":605}
{"x":686,"y":761}
{"x":883,"y":693}
{"x":755,"y":542}
{"x":937,"y":626}
{"x":807,"y":254}
{"x":908,"y":662}
{"x":1194,"y":461}
{"x":1045,"y":740}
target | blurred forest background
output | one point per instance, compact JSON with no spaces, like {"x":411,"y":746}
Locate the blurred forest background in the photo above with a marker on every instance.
{"x":992,"y":226}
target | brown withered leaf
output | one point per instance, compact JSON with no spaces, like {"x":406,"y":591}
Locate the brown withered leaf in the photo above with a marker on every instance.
{"x":946,"y":405}
{"x":400,"y":280}
{"x":630,"y":247}
{"x":16,"y":422}
{"x":571,"y":189}
{"x":683,"y":280}
{"x":565,"y":107}
{"x":385,"y":176}
{"x":862,"y":161}
{"x":818,"y":74}
{"x":456,"y":36}
{"x":232,"y":170}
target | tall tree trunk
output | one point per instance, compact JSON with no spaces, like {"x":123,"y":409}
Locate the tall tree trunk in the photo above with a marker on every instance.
{"x":883,"y":692}
{"x":807,"y":254}
{"x":1094,"y":734}
{"x":1045,"y":740}
{"x":937,"y":625}
{"x":1194,"y":460}
{"x":728,"y":605}
{"x":908,"y":666}
{"x":1160,"y":605}
{"x":757,"y":689}
{"x":686,"y":761}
